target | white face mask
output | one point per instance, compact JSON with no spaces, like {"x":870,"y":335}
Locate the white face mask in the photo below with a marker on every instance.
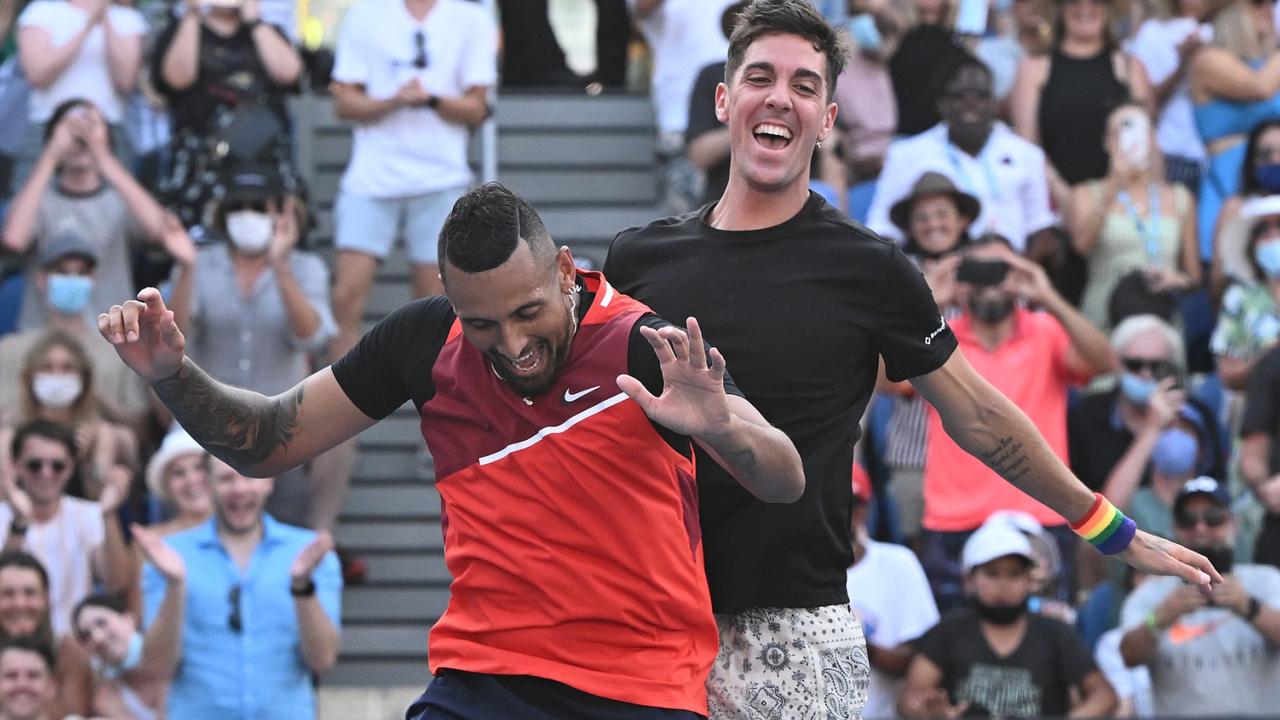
{"x":250,"y":230}
{"x":56,"y":391}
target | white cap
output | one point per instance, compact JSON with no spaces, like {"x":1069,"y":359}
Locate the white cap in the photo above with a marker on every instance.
{"x":176,"y":444}
{"x":995,"y":540}
{"x":1260,"y":207}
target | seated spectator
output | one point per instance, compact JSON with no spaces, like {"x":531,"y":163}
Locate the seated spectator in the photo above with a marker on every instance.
{"x":920,"y":65}
{"x":1260,"y":452}
{"x":256,"y":308}
{"x":1249,"y":320}
{"x":980,"y":155}
{"x":86,"y":49}
{"x":1132,"y":219}
{"x":79,"y":542}
{"x":1046,"y":565}
{"x":996,"y":659}
{"x":28,"y":690}
{"x":1210,"y":653}
{"x":1114,"y":434}
{"x":288,"y":600}
{"x":24,"y":613}
{"x":1061,"y":99}
{"x":1034,"y":358}
{"x":225,"y":74}
{"x":79,"y":187}
{"x":130,"y":668}
{"x":1234,"y":83}
{"x":178,"y":476}
{"x":57,"y":384}
{"x":890,"y":594}
{"x":935,"y":218}
{"x":706,"y":138}
{"x":1132,"y":684}
{"x":1259,"y":193}
{"x":66,"y":274}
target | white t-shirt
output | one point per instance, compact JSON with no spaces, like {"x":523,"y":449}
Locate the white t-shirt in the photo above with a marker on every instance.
{"x":684,"y":36}
{"x":1130,"y":683}
{"x":890,"y":593}
{"x":412,"y":151}
{"x":1008,"y":178}
{"x":87,"y":75}
{"x":65,"y":545}
{"x":1156,"y":45}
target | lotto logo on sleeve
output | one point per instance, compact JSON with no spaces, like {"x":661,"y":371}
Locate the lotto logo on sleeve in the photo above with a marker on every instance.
{"x":942,"y":325}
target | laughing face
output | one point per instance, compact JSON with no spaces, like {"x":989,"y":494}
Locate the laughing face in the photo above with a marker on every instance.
{"x":237,"y":500}
{"x":777,"y":109}
{"x":27,"y":686}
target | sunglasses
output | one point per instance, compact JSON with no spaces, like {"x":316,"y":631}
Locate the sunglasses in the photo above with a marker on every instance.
{"x":1212,"y":518}
{"x":420,"y":46}
{"x":234,"y":620}
{"x":35,"y":465}
{"x":1157,"y":368}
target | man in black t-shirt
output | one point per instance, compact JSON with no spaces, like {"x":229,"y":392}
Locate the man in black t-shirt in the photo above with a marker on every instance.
{"x":805,"y":303}
{"x":996,"y":659}
{"x":1260,"y":451}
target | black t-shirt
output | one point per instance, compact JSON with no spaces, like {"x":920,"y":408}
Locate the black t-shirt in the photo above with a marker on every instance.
{"x":801,"y":312}
{"x":924,"y":59}
{"x":1033,"y":681}
{"x":1262,"y":405}
{"x":1097,"y":439}
{"x":702,"y":120}
{"x":392,"y":363}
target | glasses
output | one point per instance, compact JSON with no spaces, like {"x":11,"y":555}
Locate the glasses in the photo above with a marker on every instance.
{"x":1212,"y":518}
{"x":420,"y":45}
{"x":1157,"y":368}
{"x":35,"y":465}
{"x":234,"y":620}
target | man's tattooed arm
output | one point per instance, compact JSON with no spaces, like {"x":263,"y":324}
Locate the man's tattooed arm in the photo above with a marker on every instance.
{"x":239,"y":427}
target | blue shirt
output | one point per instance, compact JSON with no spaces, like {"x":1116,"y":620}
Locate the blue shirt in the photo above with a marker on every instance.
{"x":257,"y":673}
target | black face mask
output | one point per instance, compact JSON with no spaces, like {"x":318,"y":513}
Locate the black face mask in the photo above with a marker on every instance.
{"x":1221,"y":556}
{"x":991,"y":312}
{"x":1000,"y":614}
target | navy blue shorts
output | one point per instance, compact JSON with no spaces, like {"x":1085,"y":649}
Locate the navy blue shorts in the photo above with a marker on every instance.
{"x":457,"y":695}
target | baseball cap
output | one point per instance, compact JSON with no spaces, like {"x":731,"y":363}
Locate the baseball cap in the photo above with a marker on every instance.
{"x":176,"y":444}
{"x":1203,"y":486}
{"x":993,"y":540}
{"x":252,"y":184}
{"x":62,"y":245}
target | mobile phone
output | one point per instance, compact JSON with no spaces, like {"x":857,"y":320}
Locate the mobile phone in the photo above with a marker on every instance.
{"x":1133,"y":140}
{"x":971,"y":18}
{"x":982,"y":272}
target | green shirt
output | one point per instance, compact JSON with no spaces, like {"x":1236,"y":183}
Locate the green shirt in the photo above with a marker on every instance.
{"x":1248,"y":323}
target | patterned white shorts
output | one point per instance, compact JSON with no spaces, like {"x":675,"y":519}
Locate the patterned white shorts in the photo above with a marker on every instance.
{"x":789,"y":664}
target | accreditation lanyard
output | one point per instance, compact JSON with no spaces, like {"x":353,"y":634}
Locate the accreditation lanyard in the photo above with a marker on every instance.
{"x":993,"y":194}
{"x":1149,"y":229}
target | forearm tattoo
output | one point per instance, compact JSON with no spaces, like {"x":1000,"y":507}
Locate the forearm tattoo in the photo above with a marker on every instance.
{"x":239,"y":427}
{"x":1008,"y":460}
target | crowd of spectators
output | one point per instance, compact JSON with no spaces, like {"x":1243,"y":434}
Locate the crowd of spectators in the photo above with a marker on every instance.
{"x":1090,"y":189}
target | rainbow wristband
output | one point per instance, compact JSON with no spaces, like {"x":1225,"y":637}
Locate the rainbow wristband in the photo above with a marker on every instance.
{"x":1105,"y":527}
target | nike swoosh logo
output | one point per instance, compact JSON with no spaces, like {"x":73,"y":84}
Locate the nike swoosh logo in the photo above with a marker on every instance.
{"x":571,"y":396}
{"x":1181,"y":633}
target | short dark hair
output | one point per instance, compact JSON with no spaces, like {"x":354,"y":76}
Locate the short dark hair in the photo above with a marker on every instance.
{"x":963,"y":61}
{"x":115,"y":602}
{"x":46,"y":429}
{"x":31,"y":644}
{"x":484,"y":226}
{"x":787,"y":17}
{"x":23,"y":559}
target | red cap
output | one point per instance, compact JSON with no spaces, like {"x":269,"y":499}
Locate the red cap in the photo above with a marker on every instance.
{"x":861,"y":483}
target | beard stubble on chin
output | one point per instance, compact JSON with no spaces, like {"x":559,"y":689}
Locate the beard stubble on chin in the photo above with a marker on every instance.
{"x":558,"y":353}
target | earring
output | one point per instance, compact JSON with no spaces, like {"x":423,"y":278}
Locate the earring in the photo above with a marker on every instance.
{"x":819,"y":145}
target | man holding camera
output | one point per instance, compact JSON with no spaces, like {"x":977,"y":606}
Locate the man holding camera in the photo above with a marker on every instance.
{"x":1033,"y":357}
{"x":1210,"y":653}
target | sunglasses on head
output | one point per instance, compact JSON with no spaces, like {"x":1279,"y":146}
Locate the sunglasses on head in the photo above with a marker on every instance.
{"x":1212,"y":518}
{"x":233,"y":620}
{"x":36,"y":464}
{"x":1157,"y":368}
{"x":420,"y":47}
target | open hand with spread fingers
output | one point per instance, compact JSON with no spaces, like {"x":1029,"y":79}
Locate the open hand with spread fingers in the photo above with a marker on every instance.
{"x":145,"y":335}
{"x":309,"y":557}
{"x":158,"y":553}
{"x":693,"y":401}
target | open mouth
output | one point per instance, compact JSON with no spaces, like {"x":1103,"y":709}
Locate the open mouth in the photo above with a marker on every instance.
{"x":529,"y":364}
{"x":773,"y":137}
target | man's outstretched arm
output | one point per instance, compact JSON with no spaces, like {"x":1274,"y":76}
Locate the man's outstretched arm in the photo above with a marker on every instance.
{"x":256,"y":434}
{"x":991,"y":428}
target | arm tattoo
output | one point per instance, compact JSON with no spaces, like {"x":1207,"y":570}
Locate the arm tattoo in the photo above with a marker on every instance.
{"x":239,"y":427}
{"x":1008,"y":460}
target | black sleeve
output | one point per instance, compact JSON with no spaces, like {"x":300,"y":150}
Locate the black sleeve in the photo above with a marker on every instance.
{"x":392,"y":362}
{"x":1260,"y":402}
{"x":910,"y":332}
{"x":642,"y":361}
{"x":1077,"y":661}
{"x":163,"y":41}
{"x":933,"y":645}
{"x":702,"y":102}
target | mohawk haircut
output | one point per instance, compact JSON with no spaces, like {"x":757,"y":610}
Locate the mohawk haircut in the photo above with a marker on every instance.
{"x":484,"y":227}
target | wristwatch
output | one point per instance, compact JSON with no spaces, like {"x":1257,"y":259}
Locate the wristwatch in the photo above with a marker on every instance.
{"x":303,"y":590}
{"x":1255,"y":607}
{"x":433,"y":101}
{"x":18,"y":526}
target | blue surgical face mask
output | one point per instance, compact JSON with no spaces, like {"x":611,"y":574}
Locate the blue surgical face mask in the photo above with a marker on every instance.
{"x":132,"y":659}
{"x":865,"y":33}
{"x":1137,"y":388}
{"x":1268,"y":256}
{"x":69,"y":294}
{"x":1175,"y":453}
{"x":1268,"y":176}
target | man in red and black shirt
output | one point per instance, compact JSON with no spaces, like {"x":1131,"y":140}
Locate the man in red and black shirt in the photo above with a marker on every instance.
{"x":561,"y":415}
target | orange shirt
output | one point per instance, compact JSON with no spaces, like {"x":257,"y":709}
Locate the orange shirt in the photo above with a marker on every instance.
{"x":1030,"y":369}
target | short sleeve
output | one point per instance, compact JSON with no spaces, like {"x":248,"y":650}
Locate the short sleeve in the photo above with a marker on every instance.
{"x":37,"y":14}
{"x":349,"y":61}
{"x":934,"y":643}
{"x":480,"y":66}
{"x":1035,"y":194}
{"x":919,"y":611}
{"x":910,"y":332}
{"x":1077,"y":661}
{"x":1229,"y":335}
{"x":642,"y":361}
{"x":94,"y":531}
{"x":127,"y":21}
{"x":1260,"y":400}
{"x":702,"y":102}
{"x":391,"y":364}
{"x":1111,"y":663}
{"x":163,"y":41}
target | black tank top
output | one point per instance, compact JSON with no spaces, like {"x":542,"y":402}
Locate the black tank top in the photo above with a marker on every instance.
{"x":1073,"y":112}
